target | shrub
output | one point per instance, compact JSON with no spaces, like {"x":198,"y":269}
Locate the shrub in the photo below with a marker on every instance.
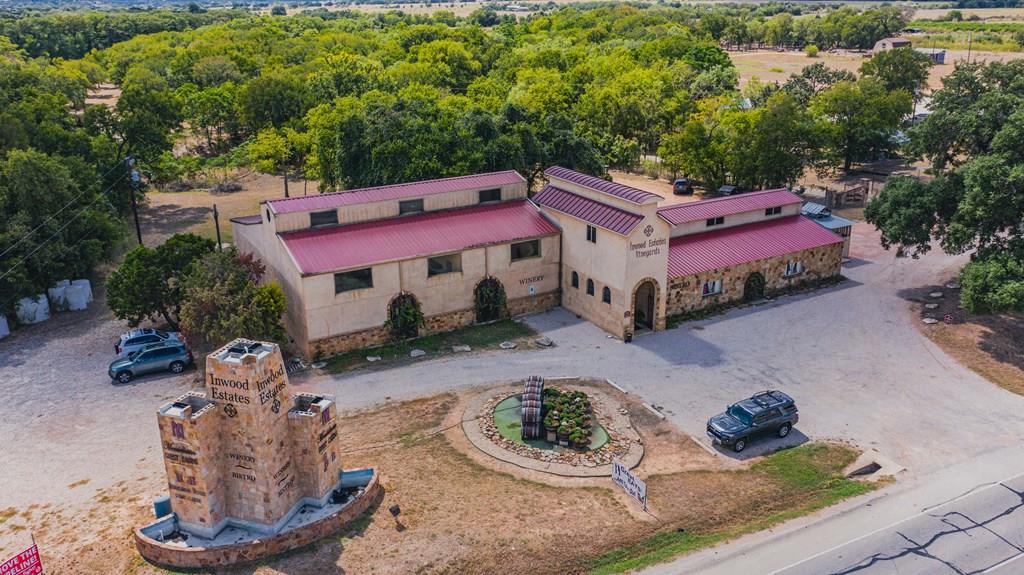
{"x":811,"y":50}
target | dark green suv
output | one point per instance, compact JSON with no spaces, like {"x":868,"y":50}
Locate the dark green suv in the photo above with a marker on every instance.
{"x":172,"y":356}
{"x":766,"y":412}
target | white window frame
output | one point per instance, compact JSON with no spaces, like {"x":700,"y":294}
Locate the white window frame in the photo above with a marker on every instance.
{"x":715,"y":288}
{"x":794,"y":268}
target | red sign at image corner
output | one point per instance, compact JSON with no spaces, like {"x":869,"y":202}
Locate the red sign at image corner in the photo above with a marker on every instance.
{"x":25,"y":563}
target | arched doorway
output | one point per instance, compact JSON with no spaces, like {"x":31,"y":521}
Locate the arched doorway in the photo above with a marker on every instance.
{"x":753,"y":288}
{"x":489,"y":300}
{"x":645,"y":298}
{"x":404,"y":316}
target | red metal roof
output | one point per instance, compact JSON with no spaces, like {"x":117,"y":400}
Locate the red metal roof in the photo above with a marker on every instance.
{"x":707,"y":251}
{"x":394,"y":192}
{"x":718,"y":207}
{"x":359,"y":245}
{"x":618,"y":190}
{"x":599,"y":214}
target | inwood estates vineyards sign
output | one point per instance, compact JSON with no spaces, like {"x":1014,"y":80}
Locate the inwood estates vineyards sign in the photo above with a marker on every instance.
{"x":629,"y":482}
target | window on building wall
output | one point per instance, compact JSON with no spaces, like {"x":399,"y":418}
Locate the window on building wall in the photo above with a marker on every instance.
{"x":324,"y":218}
{"x":487,"y":196}
{"x":268,"y":215}
{"x":575,"y":280}
{"x":353,"y":280}
{"x":606,"y":295}
{"x":711,"y":287}
{"x":526,"y":250}
{"x":716,"y":221}
{"x":444,"y":264}
{"x":773,"y":211}
{"x":590,"y":287}
{"x":591,"y":234}
{"x":794,"y":268}
{"x":410,"y":207}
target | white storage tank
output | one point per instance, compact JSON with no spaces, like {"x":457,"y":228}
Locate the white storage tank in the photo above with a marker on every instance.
{"x":58,"y":297}
{"x":33,"y":310}
{"x":77,"y":297}
{"x":86,"y":285}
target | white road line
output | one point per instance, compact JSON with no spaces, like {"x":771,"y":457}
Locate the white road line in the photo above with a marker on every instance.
{"x":901,"y":521}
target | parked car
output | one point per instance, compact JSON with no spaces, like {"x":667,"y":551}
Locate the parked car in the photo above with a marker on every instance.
{"x":172,"y":356}
{"x":728,"y":190}
{"x":682,"y":187}
{"x":766,"y":412}
{"x":136,"y":339}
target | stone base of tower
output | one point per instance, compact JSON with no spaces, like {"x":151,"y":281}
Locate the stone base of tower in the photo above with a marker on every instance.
{"x":164,"y":544}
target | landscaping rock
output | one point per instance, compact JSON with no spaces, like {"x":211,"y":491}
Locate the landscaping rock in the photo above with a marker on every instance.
{"x":373,"y":358}
{"x":931,"y":305}
{"x":507,"y":345}
{"x":461,"y":348}
{"x":544,"y":341}
{"x":935,"y":294}
{"x":417,"y":353}
{"x":953,"y":285}
{"x":930,"y":320}
{"x":318,"y":364}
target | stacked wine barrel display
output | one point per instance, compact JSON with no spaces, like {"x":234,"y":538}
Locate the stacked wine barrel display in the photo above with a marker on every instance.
{"x":533,"y":408}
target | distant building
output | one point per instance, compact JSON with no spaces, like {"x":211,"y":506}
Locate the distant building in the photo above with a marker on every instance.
{"x":890,"y":44}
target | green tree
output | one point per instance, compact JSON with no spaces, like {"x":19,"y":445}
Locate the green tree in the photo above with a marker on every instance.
{"x":860,"y":117}
{"x":223,"y":300}
{"x":899,"y":69}
{"x":148,"y":283}
{"x":272,"y":100}
{"x":814,"y":79}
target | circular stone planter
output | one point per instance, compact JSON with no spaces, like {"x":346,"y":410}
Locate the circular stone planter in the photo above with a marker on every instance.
{"x":622,"y":442}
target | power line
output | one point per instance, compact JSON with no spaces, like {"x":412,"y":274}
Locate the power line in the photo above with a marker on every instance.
{"x":52,"y":216}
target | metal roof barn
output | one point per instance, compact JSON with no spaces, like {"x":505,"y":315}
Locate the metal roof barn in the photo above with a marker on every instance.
{"x":688,"y":255}
{"x":720,"y":207}
{"x":359,"y":245}
{"x":394,"y":192}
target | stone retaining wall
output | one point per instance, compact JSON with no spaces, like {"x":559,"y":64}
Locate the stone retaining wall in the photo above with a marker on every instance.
{"x":176,"y":556}
{"x":439,"y":323}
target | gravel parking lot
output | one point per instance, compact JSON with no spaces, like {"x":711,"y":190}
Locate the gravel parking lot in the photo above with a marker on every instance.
{"x":850,"y":355}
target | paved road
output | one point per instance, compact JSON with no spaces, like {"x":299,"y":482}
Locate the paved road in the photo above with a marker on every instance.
{"x":966,"y":519}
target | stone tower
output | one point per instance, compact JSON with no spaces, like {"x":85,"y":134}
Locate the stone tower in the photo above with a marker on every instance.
{"x":248,"y":452}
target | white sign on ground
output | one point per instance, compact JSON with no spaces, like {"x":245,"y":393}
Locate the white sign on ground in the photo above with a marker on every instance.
{"x":629,"y":482}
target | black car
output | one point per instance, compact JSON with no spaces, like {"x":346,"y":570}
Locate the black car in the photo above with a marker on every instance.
{"x":682,"y":187}
{"x":766,"y":412}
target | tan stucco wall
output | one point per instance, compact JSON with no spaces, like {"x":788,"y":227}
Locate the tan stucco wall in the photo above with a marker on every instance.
{"x":733,"y":220}
{"x":388,"y":209}
{"x":328,"y":314}
{"x":684,"y":293}
{"x":616,"y":261}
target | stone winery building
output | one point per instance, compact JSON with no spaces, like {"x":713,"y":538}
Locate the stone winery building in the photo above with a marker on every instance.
{"x":458,"y":246}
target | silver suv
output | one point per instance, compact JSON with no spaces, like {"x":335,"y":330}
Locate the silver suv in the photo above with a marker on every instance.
{"x":137,"y":338}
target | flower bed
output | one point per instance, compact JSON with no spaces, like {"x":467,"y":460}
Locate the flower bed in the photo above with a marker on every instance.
{"x":568,"y":418}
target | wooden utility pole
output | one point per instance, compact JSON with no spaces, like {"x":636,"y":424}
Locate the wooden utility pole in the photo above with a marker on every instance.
{"x":216,"y":224}
{"x":135,"y":208}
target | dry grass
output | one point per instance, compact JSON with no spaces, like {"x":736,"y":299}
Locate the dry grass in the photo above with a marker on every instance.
{"x":462,"y":512}
{"x":990,"y":345}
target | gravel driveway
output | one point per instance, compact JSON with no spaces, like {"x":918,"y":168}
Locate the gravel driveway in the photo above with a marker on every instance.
{"x":850,"y":355}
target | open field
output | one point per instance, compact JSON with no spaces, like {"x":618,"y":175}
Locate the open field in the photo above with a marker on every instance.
{"x":773,"y":66}
{"x":999,"y":14}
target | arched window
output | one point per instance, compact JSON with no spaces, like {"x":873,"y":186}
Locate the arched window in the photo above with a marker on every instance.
{"x":606,"y":295}
{"x":590,"y":287}
{"x":575,"y":280}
